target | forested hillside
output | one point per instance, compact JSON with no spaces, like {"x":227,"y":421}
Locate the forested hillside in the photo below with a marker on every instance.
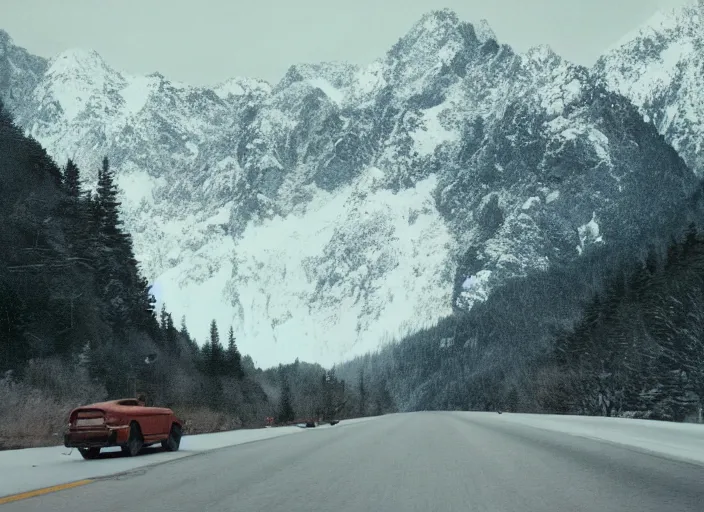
{"x":617,"y":333}
{"x":78,"y":323}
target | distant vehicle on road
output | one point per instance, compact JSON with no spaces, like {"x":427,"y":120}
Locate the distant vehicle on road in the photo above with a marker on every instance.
{"x":126,"y":423}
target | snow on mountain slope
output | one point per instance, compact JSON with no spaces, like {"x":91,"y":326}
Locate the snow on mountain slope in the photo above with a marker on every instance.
{"x":311,"y":282}
{"x":660,"y":67}
{"x":240,"y":86}
{"x":348,"y":205}
{"x":19,"y":72}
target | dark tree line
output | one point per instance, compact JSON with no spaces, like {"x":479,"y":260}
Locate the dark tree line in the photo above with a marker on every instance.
{"x":639,"y":348}
{"x":77,"y":318}
{"x":219,"y":360}
{"x":307,"y":391}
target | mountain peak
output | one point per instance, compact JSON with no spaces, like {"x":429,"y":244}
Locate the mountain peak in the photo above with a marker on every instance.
{"x":542,"y":53}
{"x":438,"y":28}
{"x":438,"y":38}
{"x":658,"y":67}
{"x":331,"y":77}
{"x":240,"y":86}
{"x":484,"y":31}
{"x":443,"y":15}
{"x":683,"y":21}
{"x":5,"y":37}
{"x":447,"y":20}
{"x":77,"y":60}
{"x":436,"y":23}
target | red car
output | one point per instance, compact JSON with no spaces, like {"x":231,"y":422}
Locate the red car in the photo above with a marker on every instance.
{"x":127,"y":423}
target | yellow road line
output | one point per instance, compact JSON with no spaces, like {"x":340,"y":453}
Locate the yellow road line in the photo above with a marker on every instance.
{"x":45,"y":490}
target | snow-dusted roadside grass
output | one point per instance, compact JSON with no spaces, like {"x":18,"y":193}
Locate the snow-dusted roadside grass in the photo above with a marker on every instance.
{"x":31,"y":417}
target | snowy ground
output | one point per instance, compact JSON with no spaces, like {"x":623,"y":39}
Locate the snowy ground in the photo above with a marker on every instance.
{"x":36,"y":468}
{"x":682,"y":441}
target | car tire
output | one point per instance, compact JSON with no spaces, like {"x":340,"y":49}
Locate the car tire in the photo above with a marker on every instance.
{"x":173,"y":442}
{"x":135,"y":443}
{"x":89,"y":453}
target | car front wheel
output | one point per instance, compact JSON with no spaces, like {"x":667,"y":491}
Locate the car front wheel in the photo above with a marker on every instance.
{"x":135,"y":441}
{"x":173,"y":442}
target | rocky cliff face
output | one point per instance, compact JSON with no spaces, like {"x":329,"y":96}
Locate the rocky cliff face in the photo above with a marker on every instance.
{"x":660,"y":68}
{"x":20,"y":73}
{"x":348,"y":205}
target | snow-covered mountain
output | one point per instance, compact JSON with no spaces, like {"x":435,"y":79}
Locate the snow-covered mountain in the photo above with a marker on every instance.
{"x":347,"y":205}
{"x":20,"y":72}
{"x":660,"y":67}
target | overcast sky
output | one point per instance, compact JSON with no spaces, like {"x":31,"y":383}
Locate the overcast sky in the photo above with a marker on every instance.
{"x":206,"y":41}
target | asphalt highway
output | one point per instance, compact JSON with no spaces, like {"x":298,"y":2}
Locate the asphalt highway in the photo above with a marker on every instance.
{"x":429,"y":461}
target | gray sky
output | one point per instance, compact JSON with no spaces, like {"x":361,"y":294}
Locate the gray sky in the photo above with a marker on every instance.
{"x":206,"y":41}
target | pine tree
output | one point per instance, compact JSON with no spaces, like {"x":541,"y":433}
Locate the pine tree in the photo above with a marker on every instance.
{"x":162,"y":317}
{"x":691,"y":239}
{"x":71,"y":179}
{"x":651,"y":261}
{"x":511,"y":403}
{"x":88,"y":239}
{"x":171,"y":336}
{"x":108,"y":205}
{"x":128,"y":294}
{"x":13,"y":317}
{"x":71,"y":209}
{"x":214,"y":335}
{"x":190,"y":342}
{"x":234,"y":358}
{"x":84,"y":356}
{"x":215,"y":365}
{"x":206,"y":357}
{"x":184,"y":328}
{"x":640,"y":278}
{"x":327,"y":385}
{"x":114,"y":280}
{"x":362,"y":394}
{"x":286,"y":413}
{"x":383,"y":402}
{"x":674,"y":253}
{"x":145,"y":301}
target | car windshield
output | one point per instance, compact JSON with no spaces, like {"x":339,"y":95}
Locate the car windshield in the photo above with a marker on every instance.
{"x":129,"y":402}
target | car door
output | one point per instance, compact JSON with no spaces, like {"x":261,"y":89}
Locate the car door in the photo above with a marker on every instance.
{"x":153,"y":420}
{"x":159,"y":421}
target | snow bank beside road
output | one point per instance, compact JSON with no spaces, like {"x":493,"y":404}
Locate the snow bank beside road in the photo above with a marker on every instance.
{"x":682,"y":441}
{"x":36,"y":468}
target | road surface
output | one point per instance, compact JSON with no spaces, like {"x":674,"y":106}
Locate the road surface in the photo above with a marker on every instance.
{"x":430,"y":462}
